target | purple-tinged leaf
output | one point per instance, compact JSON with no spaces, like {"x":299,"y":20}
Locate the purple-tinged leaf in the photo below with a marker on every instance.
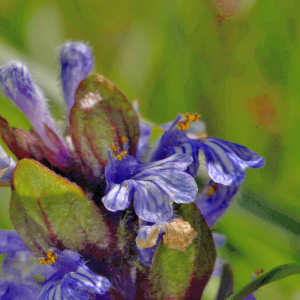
{"x":49,"y":211}
{"x":99,"y":118}
{"x":20,"y":142}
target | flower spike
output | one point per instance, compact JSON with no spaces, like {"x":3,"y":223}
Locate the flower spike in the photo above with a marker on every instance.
{"x":76,"y":63}
{"x":18,"y":85}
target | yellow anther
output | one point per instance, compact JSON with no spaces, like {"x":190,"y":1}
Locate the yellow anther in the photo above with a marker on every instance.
{"x":119,"y":157}
{"x":212,"y":190}
{"x":183,"y":125}
{"x":113,"y":147}
{"x":192,"y":118}
{"x":124,"y":139}
{"x":51,"y":259}
{"x":124,"y":153}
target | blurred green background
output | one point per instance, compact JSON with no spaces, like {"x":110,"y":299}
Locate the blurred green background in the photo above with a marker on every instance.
{"x":237,"y":66}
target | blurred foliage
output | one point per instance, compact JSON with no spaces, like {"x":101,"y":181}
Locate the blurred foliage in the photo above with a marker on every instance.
{"x":240,"y":72}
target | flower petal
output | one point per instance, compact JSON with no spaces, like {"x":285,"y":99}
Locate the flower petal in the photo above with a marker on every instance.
{"x":191,"y":149}
{"x":155,"y":191}
{"x":213,"y":207}
{"x":226,"y":162}
{"x":151,"y":203}
{"x":178,"y":162}
{"x":10,"y":241}
{"x":119,"y":196}
{"x":219,"y":239}
{"x":18,"y":290}
{"x":7,"y":165}
{"x":144,"y":138}
{"x":72,"y":279}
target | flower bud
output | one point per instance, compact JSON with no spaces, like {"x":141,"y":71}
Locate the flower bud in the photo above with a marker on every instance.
{"x":76,"y":63}
{"x":17,"y":84}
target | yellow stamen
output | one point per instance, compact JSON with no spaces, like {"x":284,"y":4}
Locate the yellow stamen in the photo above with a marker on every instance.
{"x":212,"y":190}
{"x":203,"y":138}
{"x":124,"y":153}
{"x":124,"y":139}
{"x":51,"y":259}
{"x":119,"y":157}
{"x":183,"y":125}
{"x":113,"y":147}
{"x":192,"y":118}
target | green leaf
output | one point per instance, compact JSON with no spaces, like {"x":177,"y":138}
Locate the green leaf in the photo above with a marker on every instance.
{"x":184,"y":274}
{"x":100,"y":117}
{"x":226,"y":286}
{"x":273,"y":275}
{"x":49,"y":211}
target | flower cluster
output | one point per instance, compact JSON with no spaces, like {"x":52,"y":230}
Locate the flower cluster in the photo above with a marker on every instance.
{"x":98,"y":203}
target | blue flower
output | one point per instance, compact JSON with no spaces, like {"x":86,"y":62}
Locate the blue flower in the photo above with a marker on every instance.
{"x":154,"y":186}
{"x":76,"y":63}
{"x":101,"y":115}
{"x":71,"y":279}
{"x":225,"y":162}
{"x":62,"y":275}
{"x":7,"y":165}
{"x":213,"y":200}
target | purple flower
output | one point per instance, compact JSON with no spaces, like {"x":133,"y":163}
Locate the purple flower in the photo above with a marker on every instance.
{"x":71,"y":279}
{"x":152,"y":185}
{"x":214,"y":200}
{"x":18,"y":85}
{"x":7,"y":165}
{"x":119,"y":189}
{"x":76,"y":63}
{"x":64,"y":276}
{"x":225,"y":162}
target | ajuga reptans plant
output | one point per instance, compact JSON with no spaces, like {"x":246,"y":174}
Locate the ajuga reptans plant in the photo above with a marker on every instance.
{"x":109,"y":207}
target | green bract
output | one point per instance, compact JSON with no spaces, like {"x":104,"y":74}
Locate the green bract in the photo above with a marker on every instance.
{"x":184,"y":274}
{"x":48,"y":210}
{"x":99,"y":118}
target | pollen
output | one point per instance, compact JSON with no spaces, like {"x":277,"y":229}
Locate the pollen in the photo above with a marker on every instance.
{"x":124,"y":139}
{"x":51,"y":259}
{"x":185,"y":125}
{"x":192,"y":118}
{"x":113,"y":147}
{"x":212,"y":190}
{"x":119,"y":156}
{"x":124,"y":153}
